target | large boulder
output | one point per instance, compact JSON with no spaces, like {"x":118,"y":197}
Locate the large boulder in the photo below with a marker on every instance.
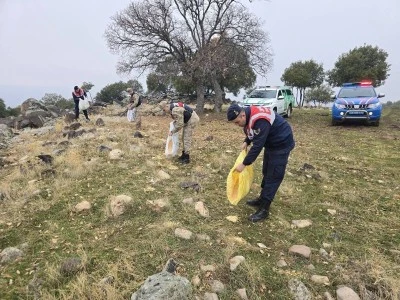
{"x":32,"y":121}
{"x":164,"y":285}
{"x":31,"y":105}
{"x":5,"y":135}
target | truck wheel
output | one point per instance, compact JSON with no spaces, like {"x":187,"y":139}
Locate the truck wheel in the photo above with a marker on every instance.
{"x":289,"y":112}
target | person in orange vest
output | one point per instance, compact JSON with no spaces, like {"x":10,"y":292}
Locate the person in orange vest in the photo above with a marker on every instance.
{"x":79,"y":94}
{"x":269,"y":131}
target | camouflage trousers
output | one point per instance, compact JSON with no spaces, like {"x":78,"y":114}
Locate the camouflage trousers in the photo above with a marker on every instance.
{"x":138,"y":118}
{"x":188,"y":132}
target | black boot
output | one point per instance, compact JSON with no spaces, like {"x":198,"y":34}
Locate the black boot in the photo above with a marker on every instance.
{"x":259,"y":215}
{"x":254,"y":202}
{"x":185,"y":159}
{"x":182,"y":156}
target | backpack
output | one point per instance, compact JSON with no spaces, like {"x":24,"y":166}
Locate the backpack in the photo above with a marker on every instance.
{"x":140,"y":100}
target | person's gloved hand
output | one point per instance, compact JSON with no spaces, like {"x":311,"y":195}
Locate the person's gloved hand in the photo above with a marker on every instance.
{"x":83,"y":98}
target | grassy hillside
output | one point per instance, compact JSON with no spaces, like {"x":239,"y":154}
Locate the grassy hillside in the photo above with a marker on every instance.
{"x":352,"y":171}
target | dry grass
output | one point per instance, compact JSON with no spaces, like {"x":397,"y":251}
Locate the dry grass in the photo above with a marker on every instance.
{"x":356,"y":173}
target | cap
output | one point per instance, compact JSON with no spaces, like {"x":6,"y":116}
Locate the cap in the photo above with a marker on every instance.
{"x":233,"y":112}
{"x":76,"y":88}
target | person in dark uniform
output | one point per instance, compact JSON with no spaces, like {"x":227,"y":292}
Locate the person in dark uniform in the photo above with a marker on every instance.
{"x":79,"y":94}
{"x":264,"y":129}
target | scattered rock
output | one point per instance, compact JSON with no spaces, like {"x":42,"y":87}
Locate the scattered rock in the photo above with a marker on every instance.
{"x":201,"y":209}
{"x":331,"y":211}
{"x":346,"y":293}
{"x":71,"y":266}
{"x":232,"y":219}
{"x":281,"y":263}
{"x":217,"y":286}
{"x":103,"y":148}
{"x":190,"y":184}
{"x":84,"y":205}
{"x":300,"y":250}
{"x":10,"y":254}
{"x":164,"y":285}
{"x":183,"y":233}
{"x":320,"y":279}
{"x":207,"y":268}
{"x":163,"y":175}
{"x":299,"y":290}
{"x":115,"y":154}
{"x":301,"y":223}
{"x":73,"y":126}
{"x":203,"y":237}
{"x":100,"y":122}
{"x":235,"y":262}
{"x":324,"y":254}
{"x":196,"y":280}
{"x":242,"y":294}
{"x":137,"y":134}
{"x":118,"y":204}
{"x":261,"y":245}
{"x":210,"y":296}
{"x":159,"y":204}
{"x":170,"y":266}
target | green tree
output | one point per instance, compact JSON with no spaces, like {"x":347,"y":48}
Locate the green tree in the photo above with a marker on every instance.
{"x":362,"y":63}
{"x":320,"y":94}
{"x":156,"y":83}
{"x":236,"y":73}
{"x":135,"y":85}
{"x":163,"y":76}
{"x":87,"y":86}
{"x":149,"y":32}
{"x":7,"y":112}
{"x":302,"y":75}
{"x":115,"y":91}
{"x":3,"y":109}
{"x":57,"y":100}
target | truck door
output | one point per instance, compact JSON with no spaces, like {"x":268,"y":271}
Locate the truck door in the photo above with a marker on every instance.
{"x":280,"y":101}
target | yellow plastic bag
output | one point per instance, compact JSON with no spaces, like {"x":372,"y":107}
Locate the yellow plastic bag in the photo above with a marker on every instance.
{"x":238,"y":184}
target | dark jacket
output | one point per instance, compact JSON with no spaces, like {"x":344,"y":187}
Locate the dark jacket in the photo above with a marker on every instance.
{"x":276,"y":138}
{"x":79,"y":94}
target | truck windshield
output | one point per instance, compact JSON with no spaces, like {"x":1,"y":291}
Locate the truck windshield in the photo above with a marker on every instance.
{"x":263,"y":94}
{"x":357,"y":92}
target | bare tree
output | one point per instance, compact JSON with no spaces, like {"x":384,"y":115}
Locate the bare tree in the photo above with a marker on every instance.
{"x":149,"y":32}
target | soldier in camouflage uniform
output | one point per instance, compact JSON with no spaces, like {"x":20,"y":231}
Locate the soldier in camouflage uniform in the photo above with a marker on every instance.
{"x":185,"y":118}
{"x":134,"y":103}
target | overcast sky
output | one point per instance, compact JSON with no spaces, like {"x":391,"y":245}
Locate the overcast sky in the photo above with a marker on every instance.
{"x":48,"y":46}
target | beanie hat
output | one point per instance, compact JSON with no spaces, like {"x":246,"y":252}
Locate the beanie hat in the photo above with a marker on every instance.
{"x":233,"y":112}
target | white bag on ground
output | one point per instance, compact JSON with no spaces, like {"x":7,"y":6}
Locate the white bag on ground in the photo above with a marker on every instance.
{"x":83,"y":104}
{"x":131,"y":115}
{"x":172,"y":144}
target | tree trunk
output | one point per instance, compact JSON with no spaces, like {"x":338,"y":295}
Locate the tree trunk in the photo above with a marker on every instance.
{"x":301,"y":97}
{"x":218,"y":95}
{"x":297,"y":97}
{"x":200,"y":98}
